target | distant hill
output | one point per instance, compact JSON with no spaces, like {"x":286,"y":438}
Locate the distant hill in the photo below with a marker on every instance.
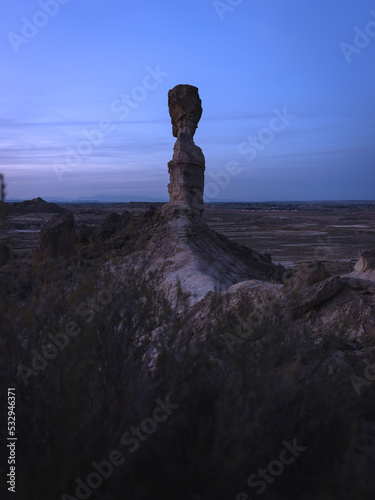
{"x":37,"y":205}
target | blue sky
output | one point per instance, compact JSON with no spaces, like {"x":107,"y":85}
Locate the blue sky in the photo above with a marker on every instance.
{"x":84,"y":85}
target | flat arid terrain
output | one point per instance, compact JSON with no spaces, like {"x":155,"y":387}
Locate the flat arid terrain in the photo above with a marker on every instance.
{"x":291,"y":232}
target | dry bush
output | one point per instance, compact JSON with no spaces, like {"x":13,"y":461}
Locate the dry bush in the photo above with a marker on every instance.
{"x":235,"y":409}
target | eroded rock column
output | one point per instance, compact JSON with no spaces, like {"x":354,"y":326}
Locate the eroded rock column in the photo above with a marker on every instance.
{"x":186,"y":170}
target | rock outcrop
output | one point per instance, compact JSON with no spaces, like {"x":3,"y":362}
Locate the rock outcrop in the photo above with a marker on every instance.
{"x":182,"y":254}
{"x":175,"y":246}
{"x":58,"y":237}
{"x":111,"y":227}
{"x":316,"y":294}
{"x":363,"y":274}
{"x":329,"y":308}
{"x":186,"y":169}
{"x":340,"y":304}
{"x":309,"y":274}
{"x":366,"y":261}
{"x":4,"y":254}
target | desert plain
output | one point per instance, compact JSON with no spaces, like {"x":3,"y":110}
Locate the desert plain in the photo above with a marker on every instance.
{"x":291,"y":232}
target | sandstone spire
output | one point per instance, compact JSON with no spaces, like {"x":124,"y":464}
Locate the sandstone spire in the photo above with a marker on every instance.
{"x":186,"y":169}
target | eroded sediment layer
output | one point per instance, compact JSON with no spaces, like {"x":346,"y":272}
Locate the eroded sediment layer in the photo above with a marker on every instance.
{"x":187,"y":167}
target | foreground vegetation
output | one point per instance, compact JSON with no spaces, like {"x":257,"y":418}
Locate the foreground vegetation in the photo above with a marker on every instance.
{"x":92,"y":354}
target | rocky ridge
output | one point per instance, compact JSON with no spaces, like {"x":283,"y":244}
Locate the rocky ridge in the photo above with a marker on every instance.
{"x":176,"y":247}
{"x":183,"y":254}
{"x":37,"y":205}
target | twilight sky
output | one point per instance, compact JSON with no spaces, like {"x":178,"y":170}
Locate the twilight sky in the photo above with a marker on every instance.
{"x":287,"y":88}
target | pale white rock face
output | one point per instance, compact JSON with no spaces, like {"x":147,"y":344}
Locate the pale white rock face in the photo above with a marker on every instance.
{"x":365,"y":275}
{"x":365,"y":267}
{"x":182,"y":253}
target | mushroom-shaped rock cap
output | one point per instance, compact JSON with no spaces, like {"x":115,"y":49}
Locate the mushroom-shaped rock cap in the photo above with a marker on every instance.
{"x":185,"y":108}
